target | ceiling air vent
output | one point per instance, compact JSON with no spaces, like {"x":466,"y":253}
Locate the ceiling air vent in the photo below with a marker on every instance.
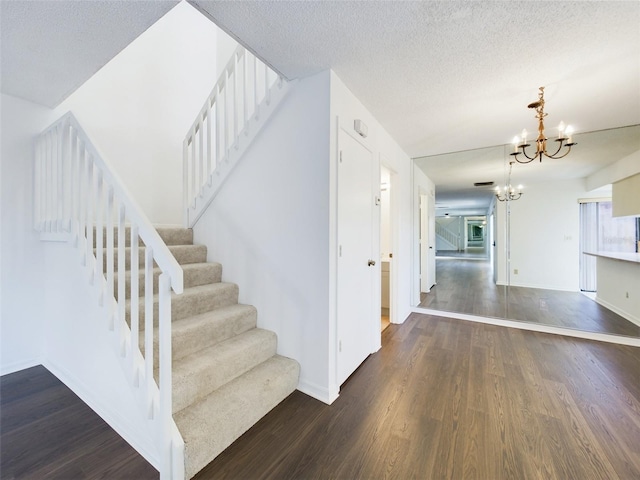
{"x":484,"y":184}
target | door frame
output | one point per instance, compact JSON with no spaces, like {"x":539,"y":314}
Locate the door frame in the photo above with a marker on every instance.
{"x":394,"y":213}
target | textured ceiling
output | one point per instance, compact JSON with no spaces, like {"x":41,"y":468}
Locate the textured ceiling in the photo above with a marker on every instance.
{"x":50,"y":48}
{"x":441,"y":76}
{"x":453,"y":76}
{"x":450,"y":76}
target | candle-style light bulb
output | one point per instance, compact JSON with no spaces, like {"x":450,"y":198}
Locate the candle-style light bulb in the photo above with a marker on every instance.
{"x":524,"y":136}
{"x":569,"y":133}
{"x":561,"y":128}
{"x":516,"y":141}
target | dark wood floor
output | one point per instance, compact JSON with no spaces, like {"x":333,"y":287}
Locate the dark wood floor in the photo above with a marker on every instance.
{"x":46,"y":431}
{"x":443,"y":398}
{"x":452,"y":399}
{"x":466,"y":286}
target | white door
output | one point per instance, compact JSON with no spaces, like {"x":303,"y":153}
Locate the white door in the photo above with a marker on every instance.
{"x":357,"y":316}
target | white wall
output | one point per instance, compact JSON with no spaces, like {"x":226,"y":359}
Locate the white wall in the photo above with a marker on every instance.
{"x":345,"y":109}
{"x":79,"y":349}
{"x":273,"y":225}
{"x":545,"y":236}
{"x":21,"y":252}
{"x":138,"y":108}
{"x":268,"y":227}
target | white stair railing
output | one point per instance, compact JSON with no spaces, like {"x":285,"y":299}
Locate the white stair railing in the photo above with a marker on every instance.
{"x":242,"y":100}
{"x":78,"y":195}
{"x":448,"y":236}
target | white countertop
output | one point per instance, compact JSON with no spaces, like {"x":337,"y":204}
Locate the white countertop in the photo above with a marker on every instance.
{"x":623,"y":257}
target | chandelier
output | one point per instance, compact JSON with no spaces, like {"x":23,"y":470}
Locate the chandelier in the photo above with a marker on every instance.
{"x":508,"y":192}
{"x":564,"y":139}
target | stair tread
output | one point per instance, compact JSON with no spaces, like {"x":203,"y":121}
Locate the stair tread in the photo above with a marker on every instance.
{"x":233,"y":409}
{"x":204,"y":371}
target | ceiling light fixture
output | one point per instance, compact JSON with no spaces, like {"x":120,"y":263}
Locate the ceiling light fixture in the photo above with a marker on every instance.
{"x":508,"y":192}
{"x":565,"y":137}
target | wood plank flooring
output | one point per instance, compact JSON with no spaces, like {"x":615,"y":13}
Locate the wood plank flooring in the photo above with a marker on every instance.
{"x":46,"y":431}
{"x":466,"y":286}
{"x":452,"y":399}
{"x":443,"y":398}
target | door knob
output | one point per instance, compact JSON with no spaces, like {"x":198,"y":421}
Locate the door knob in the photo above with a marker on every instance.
{"x":371,"y":263}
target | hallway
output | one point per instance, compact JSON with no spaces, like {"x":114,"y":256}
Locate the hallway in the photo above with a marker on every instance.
{"x":465,"y":285}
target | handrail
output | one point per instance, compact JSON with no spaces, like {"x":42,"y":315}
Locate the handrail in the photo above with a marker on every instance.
{"x":78,"y":194}
{"x":237,"y":106}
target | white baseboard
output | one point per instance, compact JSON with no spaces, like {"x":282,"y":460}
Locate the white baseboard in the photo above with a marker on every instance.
{"x":618,"y":311}
{"x":21,"y":365}
{"x":112,"y":417}
{"x":540,"y":287}
{"x":536,"y":327}
{"x":325,"y":395}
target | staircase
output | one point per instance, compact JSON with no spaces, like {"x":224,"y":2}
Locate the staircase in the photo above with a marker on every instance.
{"x":226,"y":373}
{"x":197,"y":365}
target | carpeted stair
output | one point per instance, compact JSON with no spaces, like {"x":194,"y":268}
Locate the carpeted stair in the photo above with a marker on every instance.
{"x":226,"y":373}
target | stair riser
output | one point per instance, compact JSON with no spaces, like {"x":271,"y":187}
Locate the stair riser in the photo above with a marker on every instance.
{"x":184,"y":255}
{"x":170,"y":236}
{"x":209,"y":273}
{"x":187,"y":304}
{"x":221,"y":365}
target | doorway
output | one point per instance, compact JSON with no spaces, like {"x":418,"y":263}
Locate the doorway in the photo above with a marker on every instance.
{"x":386,"y":247}
{"x":426,"y":241}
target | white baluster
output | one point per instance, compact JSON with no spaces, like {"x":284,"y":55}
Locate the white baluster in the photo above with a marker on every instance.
{"x":58,"y":181}
{"x":208,"y":142}
{"x":148,"y":327}
{"x":99,"y":268}
{"x":218,"y":131}
{"x":201,"y":160}
{"x":267,"y":90}
{"x":134,"y":302}
{"x":245,"y":107}
{"x":75,"y":171}
{"x":164,"y":334}
{"x":83,"y":205}
{"x":256,"y":112}
{"x":64,"y":180}
{"x":122,"y":257}
{"x":48,"y":179}
{"x":89,"y":220}
{"x":194,"y":166}
{"x":185,"y":179}
{"x":37,"y":186}
{"x":110,"y":252}
{"x":235,"y":98}
{"x":225,"y":127}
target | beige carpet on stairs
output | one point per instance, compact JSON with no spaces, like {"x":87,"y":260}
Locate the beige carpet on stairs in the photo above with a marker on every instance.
{"x":226,"y":372}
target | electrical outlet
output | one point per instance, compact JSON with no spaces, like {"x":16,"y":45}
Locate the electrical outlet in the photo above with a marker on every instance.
{"x":626,"y":294}
{"x":515,"y":271}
